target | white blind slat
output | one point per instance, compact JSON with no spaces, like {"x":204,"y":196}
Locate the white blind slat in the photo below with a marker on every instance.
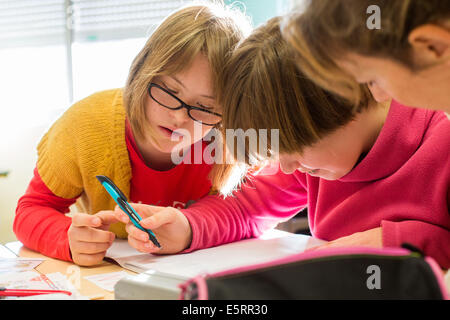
{"x":45,"y":22}
{"x":30,"y":23}
{"x":109,"y":19}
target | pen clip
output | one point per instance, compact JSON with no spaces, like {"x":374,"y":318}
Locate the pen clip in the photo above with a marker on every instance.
{"x":131,"y":213}
{"x":103,"y":179}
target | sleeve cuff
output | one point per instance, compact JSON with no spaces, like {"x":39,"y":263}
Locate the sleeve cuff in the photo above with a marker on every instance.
{"x":65,"y":253}
{"x":195,"y":230}
{"x":389,"y":234}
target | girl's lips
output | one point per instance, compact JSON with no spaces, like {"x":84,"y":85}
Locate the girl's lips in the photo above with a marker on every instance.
{"x":169,"y":132}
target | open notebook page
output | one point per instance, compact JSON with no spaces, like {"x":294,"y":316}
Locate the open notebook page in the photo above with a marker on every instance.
{"x":272,"y":245}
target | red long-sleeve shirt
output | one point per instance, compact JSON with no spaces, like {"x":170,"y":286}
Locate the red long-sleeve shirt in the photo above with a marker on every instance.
{"x":41,"y":224}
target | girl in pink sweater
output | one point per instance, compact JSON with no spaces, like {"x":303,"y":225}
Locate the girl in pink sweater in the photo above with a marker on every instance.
{"x":372,"y":175}
{"x":402,"y":52}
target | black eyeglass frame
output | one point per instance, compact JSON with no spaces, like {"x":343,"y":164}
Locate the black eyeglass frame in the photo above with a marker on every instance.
{"x":182,"y":104}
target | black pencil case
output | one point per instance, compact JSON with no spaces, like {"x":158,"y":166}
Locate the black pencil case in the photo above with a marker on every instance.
{"x":335,"y":273}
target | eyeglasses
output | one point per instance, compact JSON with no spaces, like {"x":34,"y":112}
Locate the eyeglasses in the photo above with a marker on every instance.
{"x":166,"y":99}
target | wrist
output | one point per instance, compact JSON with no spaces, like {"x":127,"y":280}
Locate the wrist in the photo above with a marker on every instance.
{"x":188,"y":241}
{"x":191,"y":233}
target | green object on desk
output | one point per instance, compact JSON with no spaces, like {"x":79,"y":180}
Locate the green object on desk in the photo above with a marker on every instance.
{"x":3,"y":173}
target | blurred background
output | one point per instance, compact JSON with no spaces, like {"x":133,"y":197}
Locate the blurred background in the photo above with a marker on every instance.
{"x":56,"y":52}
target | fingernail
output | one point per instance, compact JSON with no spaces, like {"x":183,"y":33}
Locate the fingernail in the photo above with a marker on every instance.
{"x":96,"y":221}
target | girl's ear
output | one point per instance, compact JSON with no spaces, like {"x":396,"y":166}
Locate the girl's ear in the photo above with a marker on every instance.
{"x":430,"y":43}
{"x":377,"y":93}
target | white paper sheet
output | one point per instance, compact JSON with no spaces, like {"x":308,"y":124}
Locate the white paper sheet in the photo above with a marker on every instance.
{"x":5,"y":253}
{"x":107,"y":281}
{"x":273,"y":245}
{"x":36,"y":281}
{"x":8,"y":265}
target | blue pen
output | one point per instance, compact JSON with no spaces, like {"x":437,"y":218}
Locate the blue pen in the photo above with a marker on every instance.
{"x":121,"y":200}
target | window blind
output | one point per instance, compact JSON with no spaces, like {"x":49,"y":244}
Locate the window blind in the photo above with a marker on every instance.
{"x":116,"y":19}
{"x":31,"y":22}
{"x":46,"y":22}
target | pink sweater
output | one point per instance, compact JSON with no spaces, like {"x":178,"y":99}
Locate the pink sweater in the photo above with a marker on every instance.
{"x":401,"y":185}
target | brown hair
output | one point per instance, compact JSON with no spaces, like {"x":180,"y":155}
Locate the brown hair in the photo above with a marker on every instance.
{"x":211,"y":29}
{"x":327,"y":29}
{"x":264,"y":89}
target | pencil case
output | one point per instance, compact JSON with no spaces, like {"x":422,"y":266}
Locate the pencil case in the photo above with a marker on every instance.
{"x":335,"y":273}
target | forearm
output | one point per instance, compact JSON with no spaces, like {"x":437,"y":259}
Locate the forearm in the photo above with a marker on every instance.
{"x":43,"y":229}
{"x":40,"y":223}
{"x":255,"y":208}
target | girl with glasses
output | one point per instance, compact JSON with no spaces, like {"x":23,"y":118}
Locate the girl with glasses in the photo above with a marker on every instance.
{"x":130,"y":135}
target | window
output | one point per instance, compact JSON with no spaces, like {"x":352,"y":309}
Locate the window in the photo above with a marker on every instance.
{"x":53,"y":52}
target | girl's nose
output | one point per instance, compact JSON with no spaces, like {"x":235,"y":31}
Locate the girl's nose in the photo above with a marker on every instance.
{"x":180,"y":116}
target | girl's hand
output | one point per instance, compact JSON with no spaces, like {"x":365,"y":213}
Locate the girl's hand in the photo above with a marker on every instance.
{"x":170,"y":226}
{"x":369,"y":238}
{"x":89,"y":237}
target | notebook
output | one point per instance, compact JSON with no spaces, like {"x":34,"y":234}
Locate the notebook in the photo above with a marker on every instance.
{"x":272,"y":245}
{"x":5,"y":253}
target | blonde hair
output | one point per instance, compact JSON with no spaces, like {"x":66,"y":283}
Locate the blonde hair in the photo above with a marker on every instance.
{"x":208,"y":28}
{"x":327,"y":29}
{"x":264,"y":89}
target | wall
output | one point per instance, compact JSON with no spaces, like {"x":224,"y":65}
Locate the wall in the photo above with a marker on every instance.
{"x":262,"y":10}
{"x":18,"y":154}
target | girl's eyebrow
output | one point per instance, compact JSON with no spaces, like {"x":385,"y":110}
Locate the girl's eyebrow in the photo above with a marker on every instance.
{"x":177,"y":80}
{"x":182,"y":84}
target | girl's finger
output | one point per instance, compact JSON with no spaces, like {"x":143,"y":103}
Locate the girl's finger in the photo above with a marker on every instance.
{"x":107,"y":217}
{"x":85,"y":220}
{"x":94,"y":235}
{"x":90,"y":247}
{"x":158,"y":219}
{"x":120,"y":215}
{"x":143,"y":246}
{"x":145,"y":210}
{"x":136,"y":233}
{"x":83,"y":259}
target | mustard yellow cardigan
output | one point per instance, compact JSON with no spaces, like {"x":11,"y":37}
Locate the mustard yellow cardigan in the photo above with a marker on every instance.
{"x":88,"y":140}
